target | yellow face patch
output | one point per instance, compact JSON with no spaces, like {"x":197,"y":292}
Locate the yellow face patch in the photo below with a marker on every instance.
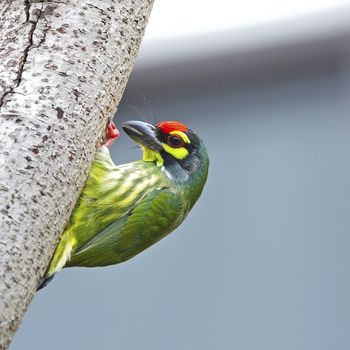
{"x":179,"y":153}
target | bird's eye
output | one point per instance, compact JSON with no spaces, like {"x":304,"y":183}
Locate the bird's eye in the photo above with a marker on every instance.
{"x":175,"y":141}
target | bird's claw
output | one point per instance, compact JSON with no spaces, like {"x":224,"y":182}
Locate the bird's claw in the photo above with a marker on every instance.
{"x":112,"y":133}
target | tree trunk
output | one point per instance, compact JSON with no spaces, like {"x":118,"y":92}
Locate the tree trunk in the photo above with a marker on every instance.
{"x":63,"y":68}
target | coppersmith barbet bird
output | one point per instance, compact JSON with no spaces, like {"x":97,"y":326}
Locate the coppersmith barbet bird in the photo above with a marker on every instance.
{"x":125,"y":209}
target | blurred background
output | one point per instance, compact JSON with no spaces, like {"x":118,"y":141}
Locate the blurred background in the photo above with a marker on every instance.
{"x":263,"y":260}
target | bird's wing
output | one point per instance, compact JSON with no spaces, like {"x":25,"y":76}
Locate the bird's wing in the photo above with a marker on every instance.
{"x":159,"y":213}
{"x":109,"y":194}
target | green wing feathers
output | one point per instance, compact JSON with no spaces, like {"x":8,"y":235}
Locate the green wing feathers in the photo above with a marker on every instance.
{"x":152,"y":218}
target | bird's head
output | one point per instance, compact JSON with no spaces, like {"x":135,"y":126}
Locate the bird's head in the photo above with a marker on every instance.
{"x":172,"y":145}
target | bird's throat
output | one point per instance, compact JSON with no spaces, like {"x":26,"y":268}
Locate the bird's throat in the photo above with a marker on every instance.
{"x":152,"y":156}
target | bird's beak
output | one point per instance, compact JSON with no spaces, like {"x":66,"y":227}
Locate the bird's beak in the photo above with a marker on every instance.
{"x":143,"y":134}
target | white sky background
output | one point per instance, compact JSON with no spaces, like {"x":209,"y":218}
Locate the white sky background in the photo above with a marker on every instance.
{"x":174,"y":19}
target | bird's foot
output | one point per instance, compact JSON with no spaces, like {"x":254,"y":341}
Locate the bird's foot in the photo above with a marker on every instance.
{"x":112,"y":133}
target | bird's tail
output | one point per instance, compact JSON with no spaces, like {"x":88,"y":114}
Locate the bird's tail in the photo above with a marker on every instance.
{"x":46,"y":280}
{"x":61,"y":256}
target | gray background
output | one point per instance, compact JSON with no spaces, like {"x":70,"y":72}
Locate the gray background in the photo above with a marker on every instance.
{"x":262,"y":262}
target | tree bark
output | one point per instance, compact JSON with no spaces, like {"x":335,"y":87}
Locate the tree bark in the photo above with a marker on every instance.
{"x":63,"y":68}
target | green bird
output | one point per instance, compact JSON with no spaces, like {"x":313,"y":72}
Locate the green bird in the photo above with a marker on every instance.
{"x":125,"y":209}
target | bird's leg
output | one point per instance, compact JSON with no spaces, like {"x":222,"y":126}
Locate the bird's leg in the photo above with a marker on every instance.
{"x":112,"y":133}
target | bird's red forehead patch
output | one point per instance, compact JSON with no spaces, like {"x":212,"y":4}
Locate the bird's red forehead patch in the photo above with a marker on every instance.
{"x":170,"y":126}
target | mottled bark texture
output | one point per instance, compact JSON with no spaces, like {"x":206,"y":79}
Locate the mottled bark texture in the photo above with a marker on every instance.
{"x":63,"y":68}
